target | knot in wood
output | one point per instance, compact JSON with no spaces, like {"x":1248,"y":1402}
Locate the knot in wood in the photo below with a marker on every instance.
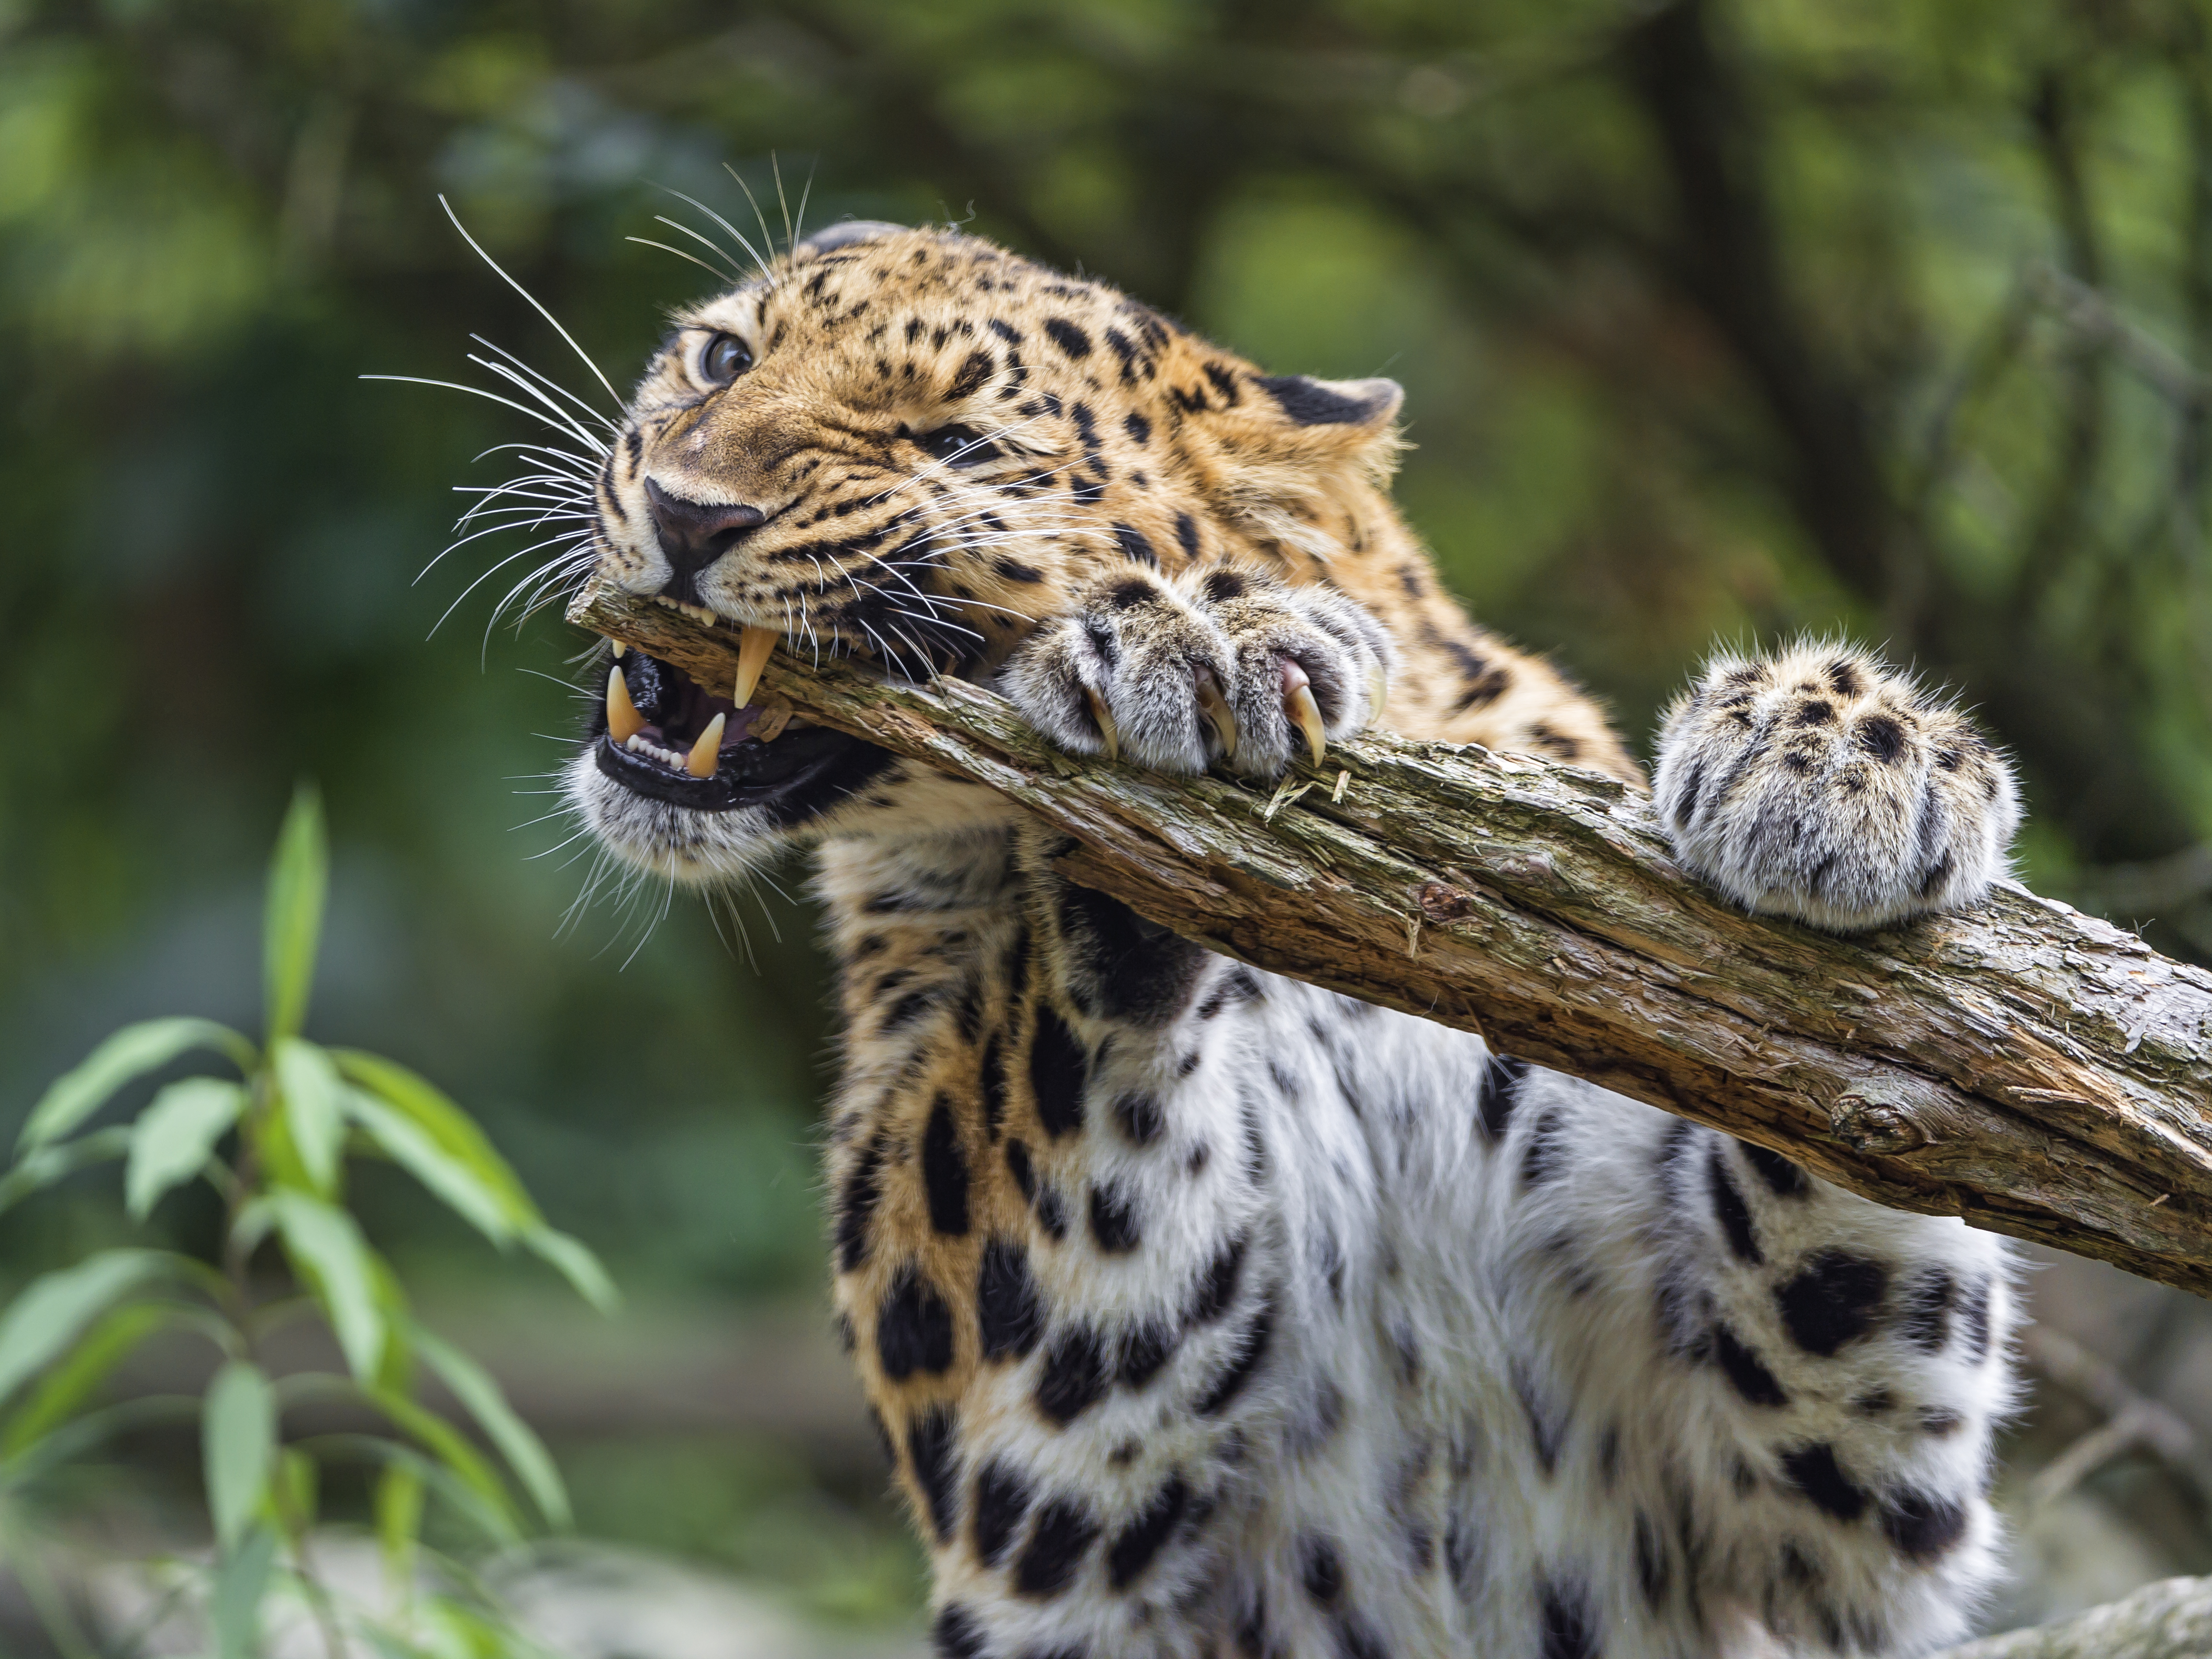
{"x":1867,"y":1125}
{"x":1440,"y":903}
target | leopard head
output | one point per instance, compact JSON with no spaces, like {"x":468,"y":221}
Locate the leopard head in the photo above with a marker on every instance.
{"x":910,"y":446}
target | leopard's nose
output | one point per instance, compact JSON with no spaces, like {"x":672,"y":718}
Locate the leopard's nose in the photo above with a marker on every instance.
{"x":693,"y":534}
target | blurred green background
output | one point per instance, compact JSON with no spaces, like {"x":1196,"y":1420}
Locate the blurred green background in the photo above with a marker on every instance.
{"x":1716,"y":320}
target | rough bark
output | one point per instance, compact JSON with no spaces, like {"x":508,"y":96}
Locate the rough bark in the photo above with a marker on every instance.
{"x":2034,"y":1070}
{"x":2169,"y":1620}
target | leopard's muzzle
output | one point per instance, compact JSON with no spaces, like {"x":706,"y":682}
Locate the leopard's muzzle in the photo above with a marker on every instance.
{"x":656,"y":734}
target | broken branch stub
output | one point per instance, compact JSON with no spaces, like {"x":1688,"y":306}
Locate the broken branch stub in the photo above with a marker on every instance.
{"x":2037,"y":1071}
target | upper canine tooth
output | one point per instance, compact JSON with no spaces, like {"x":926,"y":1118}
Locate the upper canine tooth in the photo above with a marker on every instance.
{"x":623,"y":721}
{"x":706,"y":754}
{"x":619,"y":648}
{"x":753,"y":649}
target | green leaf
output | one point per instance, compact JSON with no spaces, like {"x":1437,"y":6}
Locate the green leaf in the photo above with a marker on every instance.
{"x":577,"y":1265}
{"x":67,"y":1385}
{"x":313,"y":1108}
{"x":408,"y":1144}
{"x":493,"y":1522}
{"x":175,"y":1136}
{"x":50,"y":1163}
{"x":299,"y":881}
{"x":238,"y":1445}
{"x":453,"y":1449}
{"x":53,"y":1308}
{"x":325,"y":1245}
{"x":398,"y":1503}
{"x":240,"y":1583}
{"x":131,"y":1052}
{"x":525,"y":1453}
{"x":452,"y":1130}
{"x":297,"y":1487}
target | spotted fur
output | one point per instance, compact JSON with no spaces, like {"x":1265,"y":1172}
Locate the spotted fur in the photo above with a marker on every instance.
{"x":1206,"y":1312}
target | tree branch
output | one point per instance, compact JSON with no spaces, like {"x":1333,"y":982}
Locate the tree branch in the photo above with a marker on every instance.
{"x":2036,"y":1071}
{"x":2171,"y":1619}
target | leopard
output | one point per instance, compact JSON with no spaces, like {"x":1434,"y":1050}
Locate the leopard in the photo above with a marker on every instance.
{"x":1199,"y":1310}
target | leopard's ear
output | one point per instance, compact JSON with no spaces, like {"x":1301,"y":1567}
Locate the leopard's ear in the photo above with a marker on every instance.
{"x":1299,"y":421}
{"x":1298,"y":453}
{"x":1291,"y":443}
{"x":1368,"y":406}
{"x":831,"y":238}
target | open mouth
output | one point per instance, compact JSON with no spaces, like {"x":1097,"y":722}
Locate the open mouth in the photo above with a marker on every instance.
{"x":662,"y":735}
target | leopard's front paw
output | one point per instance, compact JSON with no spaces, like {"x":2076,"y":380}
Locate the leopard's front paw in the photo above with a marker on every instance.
{"x":1220,"y":663}
{"x":1817,"y":784}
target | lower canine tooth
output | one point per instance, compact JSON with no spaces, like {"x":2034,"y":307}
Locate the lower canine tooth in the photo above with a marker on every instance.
{"x":753,"y":649}
{"x":706,"y":754}
{"x":623,"y":721}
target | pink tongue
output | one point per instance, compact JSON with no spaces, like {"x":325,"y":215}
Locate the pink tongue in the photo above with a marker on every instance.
{"x":738,"y":725}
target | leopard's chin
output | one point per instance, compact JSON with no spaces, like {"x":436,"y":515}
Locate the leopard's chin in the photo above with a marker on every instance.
{"x":698,"y":788}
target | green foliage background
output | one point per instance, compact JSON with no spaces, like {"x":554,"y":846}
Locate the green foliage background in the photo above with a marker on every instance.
{"x":1716,"y":319}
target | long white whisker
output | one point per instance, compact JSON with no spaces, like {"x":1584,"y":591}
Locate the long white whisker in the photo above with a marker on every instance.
{"x":805,"y":195}
{"x":538,"y":547}
{"x":759,"y":218}
{"x":743,"y":240}
{"x":679,"y":226}
{"x":530,"y":388}
{"x":647,"y":241}
{"x":489,"y":530}
{"x":547,"y":380}
{"x":582,"y":468}
{"x":562,"y":425}
{"x":526,"y":294}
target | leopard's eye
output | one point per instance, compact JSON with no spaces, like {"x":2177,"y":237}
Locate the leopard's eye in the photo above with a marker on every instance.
{"x":724,"y":358}
{"x":962,"y":446}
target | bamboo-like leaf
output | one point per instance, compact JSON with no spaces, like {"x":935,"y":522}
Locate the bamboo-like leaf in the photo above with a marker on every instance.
{"x":67,"y":1385}
{"x":457,"y":1631}
{"x":462,"y":1190}
{"x":479,"y":1391}
{"x":131,"y":1052}
{"x":55,"y":1306}
{"x":398,"y":1503}
{"x":455,"y":1133}
{"x":175,"y":1136}
{"x":577,"y":1265}
{"x":325,"y":1245}
{"x":313,"y":1108}
{"x":453,"y":1449}
{"x":48,"y":1164}
{"x":238,"y":1446}
{"x":493,"y":1523}
{"x":298,"y":1487}
{"x":240,"y":1585}
{"x":80,"y":1435}
{"x":292,"y":925}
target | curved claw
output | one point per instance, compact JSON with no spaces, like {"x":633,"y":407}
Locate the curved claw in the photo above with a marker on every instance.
{"x":1303,"y":712}
{"x":1099,"y":713}
{"x":1378,"y":693}
{"x":1215,"y":707}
